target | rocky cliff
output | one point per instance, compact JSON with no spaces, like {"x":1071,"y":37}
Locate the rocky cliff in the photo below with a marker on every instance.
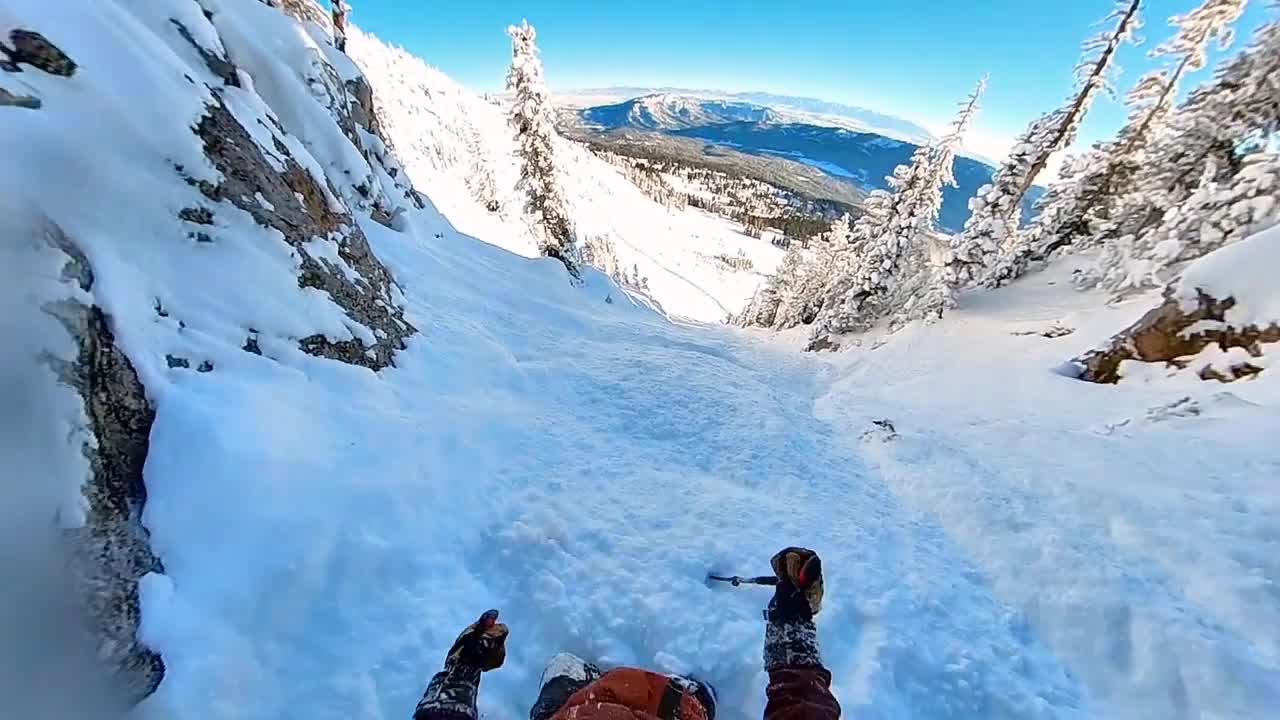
{"x":207,"y":171}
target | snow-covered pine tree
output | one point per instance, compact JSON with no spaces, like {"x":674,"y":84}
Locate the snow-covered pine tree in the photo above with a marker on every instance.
{"x":480,"y":180}
{"x":801,"y":302}
{"x":888,"y":242}
{"x":1239,"y":104}
{"x":535,"y":135}
{"x":990,"y":246}
{"x":886,"y":247}
{"x":841,"y":307}
{"x":930,"y":294}
{"x":1193,"y":162}
{"x":1216,"y":214}
{"x":794,"y":294}
{"x":1081,"y":209}
{"x":762,"y":310}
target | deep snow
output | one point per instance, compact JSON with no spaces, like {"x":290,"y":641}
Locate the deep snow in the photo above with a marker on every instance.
{"x":1018,"y":551}
{"x":1023,"y":545}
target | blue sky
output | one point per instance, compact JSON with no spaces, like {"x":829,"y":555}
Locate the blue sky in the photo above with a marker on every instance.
{"x":914,"y":58}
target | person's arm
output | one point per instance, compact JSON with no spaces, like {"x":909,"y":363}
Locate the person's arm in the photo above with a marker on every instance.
{"x":451,"y":694}
{"x":799,"y":685}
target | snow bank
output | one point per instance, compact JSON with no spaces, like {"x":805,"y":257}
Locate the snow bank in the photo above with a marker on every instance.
{"x":1245,"y":271}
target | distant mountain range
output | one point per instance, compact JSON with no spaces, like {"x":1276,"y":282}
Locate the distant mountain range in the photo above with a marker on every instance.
{"x":675,"y":112}
{"x":840,"y":149}
{"x":783,"y":108}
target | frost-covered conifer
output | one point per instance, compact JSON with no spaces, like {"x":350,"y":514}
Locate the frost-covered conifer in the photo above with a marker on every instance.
{"x":927,"y":294}
{"x":1192,"y":163}
{"x":762,"y":310}
{"x":480,"y":180}
{"x":990,"y":246}
{"x":1082,"y":209}
{"x":1217,"y":213}
{"x":535,"y":133}
{"x":795,"y":294}
{"x":892,"y":264}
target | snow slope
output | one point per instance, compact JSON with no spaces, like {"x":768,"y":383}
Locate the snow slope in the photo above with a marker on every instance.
{"x":1022,"y":546}
{"x":441,"y":131}
{"x":580,"y":464}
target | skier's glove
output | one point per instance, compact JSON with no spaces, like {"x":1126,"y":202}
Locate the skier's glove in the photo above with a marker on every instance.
{"x":483,"y":645}
{"x":798,"y":595}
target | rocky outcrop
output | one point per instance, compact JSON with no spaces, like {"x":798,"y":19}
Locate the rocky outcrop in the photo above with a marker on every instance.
{"x":306,"y":11}
{"x":266,"y":174}
{"x":1174,"y":334}
{"x":111,"y":550}
{"x":27,"y":47}
{"x":294,"y":203}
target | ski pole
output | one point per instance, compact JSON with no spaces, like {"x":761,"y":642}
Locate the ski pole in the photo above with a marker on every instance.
{"x":738,"y":581}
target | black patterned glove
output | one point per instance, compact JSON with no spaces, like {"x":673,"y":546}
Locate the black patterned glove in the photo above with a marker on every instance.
{"x":483,"y":645}
{"x":798,"y":595}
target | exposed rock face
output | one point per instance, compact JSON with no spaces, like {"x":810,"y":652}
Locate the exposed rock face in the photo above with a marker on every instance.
{"x":111,"y":550}
{"x":306,"y":11}
{"x":217,"y":64}
{"x":1174,"y":334}
{"x":31,"y":48}
{"x":299,"y":209}
{"x":22,"y":101}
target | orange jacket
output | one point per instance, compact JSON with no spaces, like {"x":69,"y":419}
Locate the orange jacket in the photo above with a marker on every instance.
{"x":631,"y":694}
{"x":801,"y":693}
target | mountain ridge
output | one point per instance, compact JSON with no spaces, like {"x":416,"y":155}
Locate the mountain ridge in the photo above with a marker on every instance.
{"x":816,"y":110}
{"x":848,"y":153}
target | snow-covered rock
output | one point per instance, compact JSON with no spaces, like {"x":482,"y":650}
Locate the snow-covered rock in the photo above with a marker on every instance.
{"x":1220,"y":320}
{"x":206,"y":172}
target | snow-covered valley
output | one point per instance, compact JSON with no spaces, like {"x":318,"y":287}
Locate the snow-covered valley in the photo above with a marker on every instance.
{"x":368,"y":430}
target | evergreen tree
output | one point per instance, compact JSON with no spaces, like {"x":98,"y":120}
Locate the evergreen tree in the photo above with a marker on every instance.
{"x":1081,"y":208}
{"x":1217,"y":213}
{"x":1194,"y":162}
{"x":990,"y":246}
{"x":841,"y":306}
{"x":535,"y":134}
{"x":480,"y":180}
{"x":762,"y":310}
{"x":803,"y":299}
{"x":929,"y":294}
{"x":888,"y":260}
{"x":1240,"y":104}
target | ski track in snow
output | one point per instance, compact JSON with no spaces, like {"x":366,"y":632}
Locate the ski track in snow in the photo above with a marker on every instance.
{"x":581,"y":465}
{"x":1028,"y":546}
